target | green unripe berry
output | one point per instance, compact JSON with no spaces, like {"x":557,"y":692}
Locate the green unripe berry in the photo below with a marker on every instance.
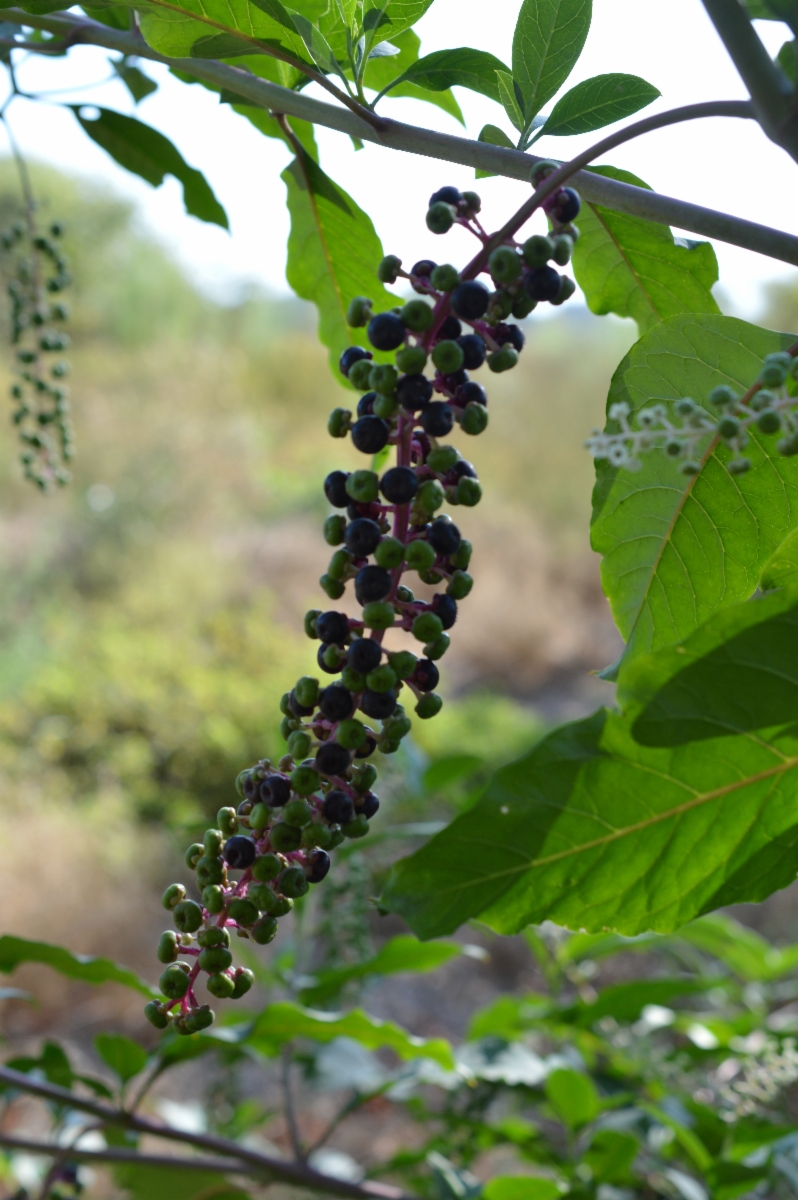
{"x":445,"y":278}
{"x":440,"y":217}
{"x":351,"y":734}
{"x":523,"y":305}
{"x":442,"y":459}
{"x":366,"y":777}
{"x":378,"y":615}
{"x":416,"y":315}
{"x":264,"y":931}
{"x":537,"y":250}
{"x":363,"y":486}
{"x":332,"y":657}
{"x":353,"y":680}
{"x":563,"y":249}
{"x":339,"y":422}
{"x":213,"y":898}
{"x":304,"y":781}
{"x":243,"y":911}
{"x":728,"y":427}
{"x":769,"y":421}
{"x":567,"y":289}
{"x":503,"y":360}
{"x":293,"y":882}
{"x":187,"y":916}
{"x":419,"y":555}
{"x":284,"y":837}
{"x":427,"y":627}
{"x":474,"y":419}
{"x":571,"y":231}
{"x":403,"y":663}
{"x":472,"y":202}
{"x":298,"y":747}
{"x":448,"y":357}
{"x":388,"y":270}
{"x":262,"y":896}
{"x":359,"y":312}
{"x":395,"y":728}
{"x":214,"y":958}
{"x":227,"y":821}
{"x":209,"y":870}
{"x":266,"y":867}
{"x":404,"y":595}
{"x":673,"y":448}
{"x":155,"y":1015}
{"x":383,"y":378}
{"x":240,"y":777}
{"x":437,"y":648}
{"x":389,"y":553}
{"x":781,"y":357}
{"x":221,"y":986}
{"x":357,"y":828}
{"x":174,"y":981}
{"x":193,"y":855}
{"x":359,"y":374}
{"x":385,"y":407}
{"x":773,"y":374}
{"x":500,"y":306}
{"x":542,"y":170}
{"x":460,"y":585}
{"x":762,"y":399}
{"x":333,"y":529}
{"x":430,"y":496}
{"x":306,"y":691}
{"x":504,"y":264}
{"x":199,"y":1019}
{"x":167,"y":947}
{"x":311,"y":617}
{"x":299,"y":812}
{"x":214,"y":936}
{"x":213,"y":842}
{"x":429,"y":706}
{"x":336,"y":837}
{"x":287,"y":727}
{"x":430,"y":577}
{"x":333,"y":587}
{"x":411,"y":359}
{"x":282,"y":906}
{"x":243,"y":980}
{"x":469,"y":491}
{"x":173,"y":895}
{"x":722,"y":396}
{"x":382,"y":679}
{"x":387,"y":746}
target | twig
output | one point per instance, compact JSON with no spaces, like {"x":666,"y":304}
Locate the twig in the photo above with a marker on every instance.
{"x":299,"y":1174}
{"x":288,"y":1106}
{"x":357,"y":1101}
{"x":114,"y":1154}
{"x":513,"y":164}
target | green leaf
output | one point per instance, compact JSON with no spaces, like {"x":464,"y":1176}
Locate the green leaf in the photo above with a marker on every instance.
{"x":316,"y":45}
{"x":125,"y":1057}
{"x":333,"y":252}
{"x":143,"y":1182}
{"x":521,"y":1187}
{"x":549,"y":36}
{"x":677,"y":548}
{"x":781,"y":569}
{"x":597,"y":831}
{"x":573,"y":1097}
{"x":383,"y":74}
{"x":450,"y":770}
{"x":52,"y":1063}
{"x":509,"y":1017}
{"x":635,"y":268}
{"x":787,"y":58}
{"x":14,"y":951}
{"x":173,"y":28}
{"x":509,"y":99}
{"x":147,"y":153}
{"x":602,"y":945}
{"x":610,"y":1155}
{"x":474,"y":69}
{"x":626,"y":1001}
{"x":384,"y":20}
{"x":494,"y":137}
{"x":774,"y":10}
{"x":401,"y":953}
{"x":280,"y":1023}
{"x":742,"y":950}
{"x":597,"y":102}
{"x":137,"y":83}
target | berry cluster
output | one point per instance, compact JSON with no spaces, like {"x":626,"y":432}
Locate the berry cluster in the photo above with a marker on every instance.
{"x":38,"y":271}
{"x":770,"y":406}
{"x":384,"y":523}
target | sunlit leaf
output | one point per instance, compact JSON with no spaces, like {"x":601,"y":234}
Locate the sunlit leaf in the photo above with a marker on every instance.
{"x":521,"y":1187}
{"x":15,"y":951}
{"x":781,"y":569}
{"x":509,"y":99}
{"x":549,"y":36}
{"x":473,"y":69}
{"x":573,"y":1097}
{"x":597,"y":102}
{"x":401,"y":953}
{"x":125,"y":1057}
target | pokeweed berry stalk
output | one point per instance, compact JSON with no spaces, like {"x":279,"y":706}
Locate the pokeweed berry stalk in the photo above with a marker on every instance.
{"x":292,"y":814}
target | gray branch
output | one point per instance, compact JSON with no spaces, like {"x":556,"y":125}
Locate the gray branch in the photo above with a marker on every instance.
{"x":395,"y":135}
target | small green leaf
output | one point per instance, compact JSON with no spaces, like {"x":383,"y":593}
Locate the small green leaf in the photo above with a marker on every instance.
{"x":597,"y":102}
{"x":774,"y":10}
{"x":451,"y":770}
{"x":280,"y":1023}
{"x":52,"y":1062}
{"x":384,"y":20}
{"x":143,"y":1182}
{"x":494,"y":137}
{"x":125,"y":1057}
{"x":137,"y":83}
{"x":383,"y":75}
{"x":521,"y":1187}
{"x":474,"y":69}
{"x":626,"y":1001}
{"x":509,"y":99}
{"x":14,"y":951}
{"x":611,"y":1155}
{"x":147,"y":153}
{"x":174,"y":28}
{"x":509,"y":1017}
{"x":742,"y":950}
{"x":787,"y":58}
{"x":781,"y":569}
{"x":573,"y":1097}
{"x":401,"y":953}
{"x":549,"y":36}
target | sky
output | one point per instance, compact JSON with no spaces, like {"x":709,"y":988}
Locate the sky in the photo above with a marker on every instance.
{"x":720,"y":163}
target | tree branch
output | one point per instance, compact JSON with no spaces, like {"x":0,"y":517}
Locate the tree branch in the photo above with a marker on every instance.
{"x":513,"y":164}
{"x":298,"y":1174}
{"x":115,"y":1155}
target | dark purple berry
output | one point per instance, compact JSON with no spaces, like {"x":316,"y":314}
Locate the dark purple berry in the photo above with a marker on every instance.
{"x":239,"y":852}
{"x":338,"y":807}
{"x":333,"y":627}
{"x":399,"y":485}
{"x":362,"y":537}
{"x":456,"y":379}
{"x":543,"y":283}
{"x":353,"y":511}
{"x":446,"y":195}
{"x":446,"y":608}
{"x":365,"y":406}
{"x":567,"y":204}
{"x":426,"y":675}
{"x":335,"y":489}
{"x":444,"y":537}
{"x":437,"y":419}
{"x":413,"y":391}
{"x":386,"y":331}
{"x":472,"y":392}
{"x":332,"y":759}
{"x":422,"y":271}
{"x":317,"y":866}
{"x":368,"y":805}
{"x":365,"y":655}
{"x":250,"y":786}
{"x":368,"y":747}
{"x":370,"y":434}
{"x":350,"y":356}
{"x":450,"y":330}
{"x":474,"y":350}
{"x":470,"y":300}
{"x":462,"y":467}
{"x":322,"y":664}
{"x":379,"y":705}
{"x":372,"y":583}
{"x":275,"y":791}
{"x":335,"y":703}
{"x":297,"y":709}
{"x":511,"y":334}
